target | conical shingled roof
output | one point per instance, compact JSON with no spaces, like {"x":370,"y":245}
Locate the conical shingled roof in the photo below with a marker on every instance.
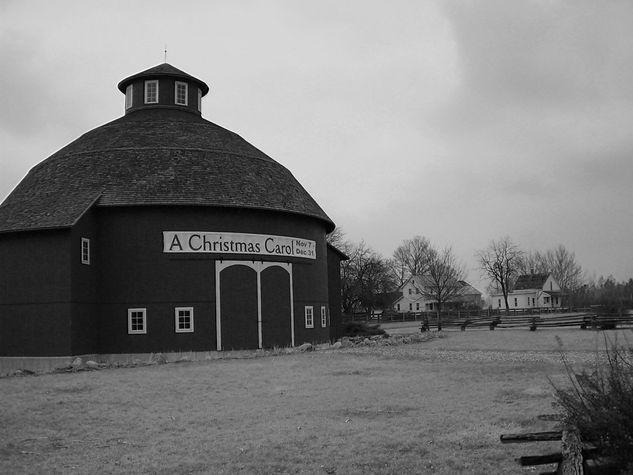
{"x":163,"y":70}
{"x":153,"y":157}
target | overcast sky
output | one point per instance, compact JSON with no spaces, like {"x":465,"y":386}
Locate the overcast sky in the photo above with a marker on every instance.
{"x":461,"y":121}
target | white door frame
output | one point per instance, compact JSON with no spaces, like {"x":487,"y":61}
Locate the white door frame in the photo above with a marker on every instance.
{"x":258,"y":267}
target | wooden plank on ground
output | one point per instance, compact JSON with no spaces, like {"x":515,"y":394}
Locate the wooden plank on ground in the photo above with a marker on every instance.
{"x":531,"y":437}
{"x":528,"y":460}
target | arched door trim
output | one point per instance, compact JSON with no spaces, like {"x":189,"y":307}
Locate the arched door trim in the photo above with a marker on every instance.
{"x":258,"y":267}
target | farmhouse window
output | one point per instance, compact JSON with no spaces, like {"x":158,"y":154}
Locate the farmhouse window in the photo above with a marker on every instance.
{"x":136,"y":321}
{"x":85,"y":251}
{"x":309,"y":315}
{"x":151,"y":92}
{"x":180,"y":93}
{"x":417,"y":305}
{"x":410,"y":291}
{"x":184,"y":319}
{"x":515,"y":301}
{"x":323,"y":317}
{"x":410,"y":306}
{"x":398,"y":307}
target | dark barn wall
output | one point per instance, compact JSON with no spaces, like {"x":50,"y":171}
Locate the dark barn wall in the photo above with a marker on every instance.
{"x":311,"y":289}
{"x":334,"y":285}
{"x":35,"y":294}
{"x":84,"y":278}
{"x":134,"y":272}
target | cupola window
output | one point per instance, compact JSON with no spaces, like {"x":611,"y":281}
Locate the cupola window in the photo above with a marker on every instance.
{"x":199,"y":100}
{"x":151,"y":92}
{"x":181,"y":93}
{"x":128,"y":96}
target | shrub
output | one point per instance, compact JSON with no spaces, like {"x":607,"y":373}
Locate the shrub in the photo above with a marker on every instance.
{"x":361,"y":329}
{"x":599,"y":404}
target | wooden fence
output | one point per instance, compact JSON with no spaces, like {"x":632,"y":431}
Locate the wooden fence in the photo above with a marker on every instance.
{"x":392,"y":316}
{"x":482,"y":319}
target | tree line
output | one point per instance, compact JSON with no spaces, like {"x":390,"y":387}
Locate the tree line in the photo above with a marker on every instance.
{"x":369,"y":280}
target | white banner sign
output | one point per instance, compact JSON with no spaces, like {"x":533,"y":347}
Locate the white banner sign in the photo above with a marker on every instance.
{"x":237,"y":243}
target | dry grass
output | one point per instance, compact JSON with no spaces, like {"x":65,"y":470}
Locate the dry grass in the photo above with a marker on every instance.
{"x":433,"y":407}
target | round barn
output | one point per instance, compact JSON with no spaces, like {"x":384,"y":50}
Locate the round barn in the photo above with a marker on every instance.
{"x":163,"y":232}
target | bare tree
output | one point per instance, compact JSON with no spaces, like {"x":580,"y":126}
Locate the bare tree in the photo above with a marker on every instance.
{"x":363,"y":277}
{"x":443,"y":279}
{"x":398,"y":272}
{"x":410,"y":258}
{"x":559,"y":262}
{"x":533,"y":262}
{"x":501,"y":262}
{"x":562,"y":264}
{"x":337,"y":238}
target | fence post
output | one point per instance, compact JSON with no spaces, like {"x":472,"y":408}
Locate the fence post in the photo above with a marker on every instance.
{"x":572,"y":453}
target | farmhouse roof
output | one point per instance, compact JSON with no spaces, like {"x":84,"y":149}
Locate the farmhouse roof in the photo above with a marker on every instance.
{"x":153,"y":156}
{"x":530,"y":281}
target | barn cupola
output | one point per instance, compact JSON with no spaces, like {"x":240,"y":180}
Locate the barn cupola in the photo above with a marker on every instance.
{"x":163,"y":86}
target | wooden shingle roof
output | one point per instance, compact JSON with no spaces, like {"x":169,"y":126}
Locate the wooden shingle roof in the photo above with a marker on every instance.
{"x":153,"y":157}
{"x":530,"y":281}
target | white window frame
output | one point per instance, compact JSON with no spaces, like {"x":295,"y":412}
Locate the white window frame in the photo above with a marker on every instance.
{"x":85,"y":251}
{"x":129,"y":96}
{"x":176,"y":319}
{"x":309,"y":316}
{"x":323,"y":316}
{"x":147,"y":83}
{"x":199,"y":100}
{"x":130,"y":314}
{"x":180,"y":83}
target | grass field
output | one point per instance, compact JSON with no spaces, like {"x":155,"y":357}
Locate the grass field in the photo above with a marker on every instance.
{"x":432,"y":407}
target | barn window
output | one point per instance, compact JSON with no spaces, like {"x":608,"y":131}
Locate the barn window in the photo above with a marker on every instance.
{"x":180,"y":93}
{"x":151,"y":92}
{"x":129,"y":91}
{"x":85,"y":251}
{"x":184,"y":319}
{"x":136,"y":321}
{"x":309,"y":316}
{"x":323,"y":317}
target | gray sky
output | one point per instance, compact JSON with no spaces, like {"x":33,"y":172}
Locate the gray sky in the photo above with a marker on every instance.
{"x":462,"y":121}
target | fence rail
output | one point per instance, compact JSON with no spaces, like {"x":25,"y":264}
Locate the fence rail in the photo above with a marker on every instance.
{"x":392,"y":316}
{"x":492,"y":319}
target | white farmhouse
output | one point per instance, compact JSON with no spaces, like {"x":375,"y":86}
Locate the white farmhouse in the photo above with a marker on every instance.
{"x":412,"y":298}
{"x":531,"y":291}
